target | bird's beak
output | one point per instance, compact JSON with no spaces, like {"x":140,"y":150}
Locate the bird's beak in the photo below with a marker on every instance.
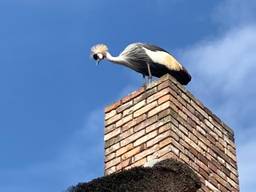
{"x":98,"y":62}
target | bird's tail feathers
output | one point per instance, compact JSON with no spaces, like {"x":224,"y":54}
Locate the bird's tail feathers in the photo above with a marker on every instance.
{"x":182,"y":76}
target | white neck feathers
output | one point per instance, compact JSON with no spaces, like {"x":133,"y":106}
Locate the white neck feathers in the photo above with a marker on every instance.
{"x":119,"y":59}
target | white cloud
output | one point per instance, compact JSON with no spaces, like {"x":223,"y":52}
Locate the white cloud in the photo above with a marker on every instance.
{"x":223,"y":78}
{"x":247,"y":168}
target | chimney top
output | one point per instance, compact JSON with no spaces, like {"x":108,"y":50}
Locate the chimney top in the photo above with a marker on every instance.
{"x":164,"y":120}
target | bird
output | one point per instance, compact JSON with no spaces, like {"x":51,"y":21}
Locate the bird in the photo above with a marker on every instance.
{"x":147,"y":59}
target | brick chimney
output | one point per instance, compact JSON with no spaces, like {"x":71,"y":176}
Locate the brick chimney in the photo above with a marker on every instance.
{"x":164,"y":120}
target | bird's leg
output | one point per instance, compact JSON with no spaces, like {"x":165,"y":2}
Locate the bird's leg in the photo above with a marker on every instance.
{"x":145,"y":80}
{"x":149,"y":73}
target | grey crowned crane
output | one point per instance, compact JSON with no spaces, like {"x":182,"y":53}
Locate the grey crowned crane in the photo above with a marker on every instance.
{"x":149,"y":60}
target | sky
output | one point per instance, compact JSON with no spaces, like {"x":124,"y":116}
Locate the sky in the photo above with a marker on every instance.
{"x":53,"y":95}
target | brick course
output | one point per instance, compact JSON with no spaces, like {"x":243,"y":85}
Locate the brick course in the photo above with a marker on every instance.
{"x":164,"y":120}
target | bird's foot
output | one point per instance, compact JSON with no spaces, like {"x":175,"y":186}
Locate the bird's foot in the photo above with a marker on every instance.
{"x":149,"y":79}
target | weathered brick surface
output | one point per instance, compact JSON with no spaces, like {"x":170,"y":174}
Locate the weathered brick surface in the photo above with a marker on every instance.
{"x":164,"y":120}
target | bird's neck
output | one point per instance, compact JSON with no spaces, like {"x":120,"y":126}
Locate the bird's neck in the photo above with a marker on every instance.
{"x":118,"y":59}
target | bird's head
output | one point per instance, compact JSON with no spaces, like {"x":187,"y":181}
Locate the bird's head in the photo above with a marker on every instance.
{"x":98,"y":52}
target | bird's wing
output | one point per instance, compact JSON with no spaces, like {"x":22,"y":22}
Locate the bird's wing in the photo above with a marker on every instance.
{"x":152,"y":47}
{"x":162,"y":57}
{"x":130,"y":49}
{"x":135,"y":46}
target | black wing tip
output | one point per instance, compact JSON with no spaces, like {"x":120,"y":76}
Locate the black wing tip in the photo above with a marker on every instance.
{"x":187,"y":78}
{"x":182,"y":76}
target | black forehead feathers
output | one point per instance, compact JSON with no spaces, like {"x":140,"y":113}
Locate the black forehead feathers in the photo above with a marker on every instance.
{"x":95,"y":56}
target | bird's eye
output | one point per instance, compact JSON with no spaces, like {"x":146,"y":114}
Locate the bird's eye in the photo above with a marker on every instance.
{"x":95,"y":57}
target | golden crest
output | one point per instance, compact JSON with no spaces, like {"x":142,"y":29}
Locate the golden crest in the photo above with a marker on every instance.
{"x":99,"y":48}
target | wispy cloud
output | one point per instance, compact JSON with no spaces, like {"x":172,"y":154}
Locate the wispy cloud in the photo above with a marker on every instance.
{"x":223,"y":77}
{"x":247,"y":168}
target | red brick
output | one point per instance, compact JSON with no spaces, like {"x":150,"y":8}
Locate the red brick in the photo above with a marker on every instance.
{"x":164,"y":128}
{"x":211,"y":186}
{"x":163,"y":85}
{"x":146,"y":123}
{"x":175,"y":150}
{"x":184,"y":158}
{"x":140,"y":162}
{"x":113,"y":119}
{"x":132,"y":152}
{"x":110,"y":114}
{"x":161,"y":152}
{"x":178,"y":145}
{"x":157,"y":95}
{"x":126,"y":133}
{"x":110,"y":170}
{"x":163,"y":99}
{"x":209,"y":124}
{"x":113,"y":106}
{"x":112,"y":141}
{"x":152,"y":85}
{"x":133,"y":95}
{"x":164,"y":113}
{"x":124,"y":120}
{"x":158,"y":138}
{"x":218,"y":132}
{"x":132,"y":138}
{"x":193,"y":137}
{"x":174,"y":135}
{"x":124,"y":149}
{"x":109,"y":157}
{"x":159,"y":108}
{"x":202,"y":145}
{"x":145,"y":153}
{"x":112,"y":148}
{"x":124,"y":106}
{"x":176,"y":102}
{"x":182,"y":101}
{"x":183,"y":129}
{"x":203,"y":173}
{"x":190,"y":108}
{"x":112,"y":134}
{"x":112,"y":163}
{"x":185,"y":97}
{"x":134,"y":108}
{"x":232,"y":169}
{"x":109,"y":128}
{"x":165,"y":142}
{"x":134,"y":122}
{"x":169,"y":156}
{"x":166,"y":77}
{"x":145,"y":95}
{"x":124,"y":164}
{"x":199,"y":109}
{"x":157,"y":124}
{"x":145,"y":109}
{"x":145,"y":138}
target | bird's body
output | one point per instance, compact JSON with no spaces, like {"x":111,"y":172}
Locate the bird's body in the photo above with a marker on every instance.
{"x":149,"y":60}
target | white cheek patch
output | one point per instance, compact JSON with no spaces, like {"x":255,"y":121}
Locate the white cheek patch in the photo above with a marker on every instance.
{"x":100,"y":55}
{"x":163,"y":58}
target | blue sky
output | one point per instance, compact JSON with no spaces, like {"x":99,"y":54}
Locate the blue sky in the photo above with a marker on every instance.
{"x":52,"y":94}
